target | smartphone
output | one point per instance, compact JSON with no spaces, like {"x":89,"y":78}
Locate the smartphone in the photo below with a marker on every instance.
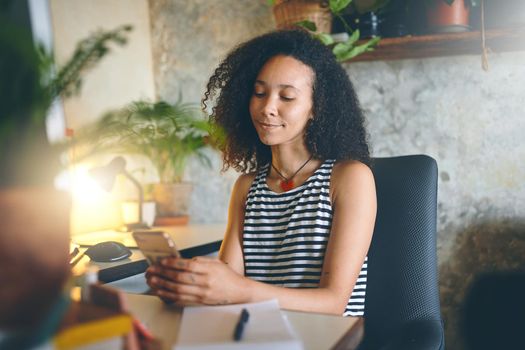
{"x":155,"y":245}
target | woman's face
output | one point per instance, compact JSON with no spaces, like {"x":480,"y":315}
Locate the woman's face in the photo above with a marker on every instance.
{"x":281,"y":102}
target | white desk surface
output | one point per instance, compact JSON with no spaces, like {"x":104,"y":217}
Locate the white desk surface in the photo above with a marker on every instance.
{"x":187,"y":236}
{"x":317,"y":331}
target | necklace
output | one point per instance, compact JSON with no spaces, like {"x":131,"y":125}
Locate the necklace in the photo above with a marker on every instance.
{"x":287,"y":182}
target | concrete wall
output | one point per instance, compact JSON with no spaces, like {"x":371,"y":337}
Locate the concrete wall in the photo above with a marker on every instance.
{"x":472,"y":122}
{"x":189,"y":39}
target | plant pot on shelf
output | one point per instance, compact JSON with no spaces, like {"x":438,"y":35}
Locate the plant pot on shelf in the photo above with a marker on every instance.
{"x":289,"y":12}
{"x":173,"y":202}
{"x":34,"y":253}
{"x":445,"y":18}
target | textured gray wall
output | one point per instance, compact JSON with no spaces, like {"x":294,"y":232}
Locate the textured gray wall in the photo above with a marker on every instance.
{"x":189,"y":39}
{"x":472,"y":122}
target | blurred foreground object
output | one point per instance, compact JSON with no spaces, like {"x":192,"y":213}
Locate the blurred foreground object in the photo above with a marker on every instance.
{"x":502,"y":327}
{"x":34,"y":235}
{"x":34,"y":253}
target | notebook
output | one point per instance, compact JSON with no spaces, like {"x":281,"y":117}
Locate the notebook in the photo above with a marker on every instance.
{"x":212,"y":328}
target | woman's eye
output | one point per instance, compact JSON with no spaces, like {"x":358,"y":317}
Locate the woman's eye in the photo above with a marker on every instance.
{"x":258,"y":94}
{"x":287,"y":98}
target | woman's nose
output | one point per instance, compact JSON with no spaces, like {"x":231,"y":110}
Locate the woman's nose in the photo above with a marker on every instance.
{"x":269,"y":106}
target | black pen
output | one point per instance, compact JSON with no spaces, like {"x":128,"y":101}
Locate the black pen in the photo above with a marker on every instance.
{"x":239,"y":327}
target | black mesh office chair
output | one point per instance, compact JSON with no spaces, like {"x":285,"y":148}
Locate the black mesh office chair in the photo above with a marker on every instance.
{"x":402,"y":308}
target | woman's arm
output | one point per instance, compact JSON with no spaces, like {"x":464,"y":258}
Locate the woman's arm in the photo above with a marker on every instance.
{"x":354,"y":205}
{"x":210,"y":281}
{"x":231,"y":247}
{"x":170,"y":279}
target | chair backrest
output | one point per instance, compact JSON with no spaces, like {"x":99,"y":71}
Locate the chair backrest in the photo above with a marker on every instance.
{"x":402,"y":288}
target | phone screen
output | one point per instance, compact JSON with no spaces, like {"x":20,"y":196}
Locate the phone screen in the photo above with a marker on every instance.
{"x":155,"y":245}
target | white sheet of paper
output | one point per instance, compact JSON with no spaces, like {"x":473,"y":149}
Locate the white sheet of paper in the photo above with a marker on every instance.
{"x":211,"y":327}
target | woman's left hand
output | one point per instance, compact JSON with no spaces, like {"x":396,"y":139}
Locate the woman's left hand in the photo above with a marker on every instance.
{"x":196,"y":281}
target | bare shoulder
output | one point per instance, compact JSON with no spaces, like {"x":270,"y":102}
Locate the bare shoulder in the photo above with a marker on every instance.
{"x":351,"y":175}
{"x":242,"y":184}
{"x":349,"y":169}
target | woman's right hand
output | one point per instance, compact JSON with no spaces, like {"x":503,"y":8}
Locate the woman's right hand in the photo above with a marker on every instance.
{"x":197,"y":281}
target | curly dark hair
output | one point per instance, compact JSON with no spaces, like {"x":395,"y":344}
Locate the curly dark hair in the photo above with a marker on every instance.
{"x":337,"y":130}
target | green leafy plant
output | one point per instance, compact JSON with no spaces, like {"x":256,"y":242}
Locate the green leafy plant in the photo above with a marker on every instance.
{"x":28,"y":87}
{"x":168,"y":135}
{"x":350,"y":47}
{"x":26,"y":67}
{"x":88,"y":53}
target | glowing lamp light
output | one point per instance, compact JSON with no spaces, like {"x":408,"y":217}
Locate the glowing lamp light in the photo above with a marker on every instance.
{"x":105,"y":176}
{"x":93,"y":209}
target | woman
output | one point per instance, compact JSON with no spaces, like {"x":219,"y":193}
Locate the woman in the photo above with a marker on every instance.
{"x":302,"y":214}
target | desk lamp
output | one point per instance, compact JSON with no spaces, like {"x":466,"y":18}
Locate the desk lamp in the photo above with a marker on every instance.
{"x":106,"y":175}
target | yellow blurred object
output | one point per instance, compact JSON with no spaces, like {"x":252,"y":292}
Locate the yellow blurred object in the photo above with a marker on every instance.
{"x":94,"y":325}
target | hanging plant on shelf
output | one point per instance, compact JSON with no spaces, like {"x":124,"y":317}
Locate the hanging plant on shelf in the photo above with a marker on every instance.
{"x":350,"y":46}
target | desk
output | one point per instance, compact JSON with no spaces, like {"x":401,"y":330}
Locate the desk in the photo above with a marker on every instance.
{"x":186,"y":236}
{"x":191,"y":240}
{"x":317,"y":331}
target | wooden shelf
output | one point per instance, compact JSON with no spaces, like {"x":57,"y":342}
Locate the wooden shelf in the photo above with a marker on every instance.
{"x":451,"y":44}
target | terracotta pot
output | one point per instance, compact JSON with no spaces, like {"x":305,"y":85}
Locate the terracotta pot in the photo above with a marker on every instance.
{"x":34,"y":253}
{"x":173,"y":199}
{"x":444,"y":18}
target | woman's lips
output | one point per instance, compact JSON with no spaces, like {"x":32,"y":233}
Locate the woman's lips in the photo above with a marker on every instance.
{"x":269,"y":126}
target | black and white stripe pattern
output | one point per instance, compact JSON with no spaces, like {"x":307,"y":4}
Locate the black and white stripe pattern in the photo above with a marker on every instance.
{"x":285,"y":235}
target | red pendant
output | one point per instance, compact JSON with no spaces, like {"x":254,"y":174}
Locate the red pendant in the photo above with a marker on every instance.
{"x":287,"y":185}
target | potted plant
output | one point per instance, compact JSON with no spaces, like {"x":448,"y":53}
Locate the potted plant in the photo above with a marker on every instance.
{"x":403,"y":17}
{"x":288,"y":13}
{"x":434,"y":16}
{"x":34,"y":215}
{"x":446,"y":16}
{"x":166,"y":134}
{"x":313,"y":20}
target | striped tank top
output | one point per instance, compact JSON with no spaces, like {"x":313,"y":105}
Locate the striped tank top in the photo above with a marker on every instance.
{"x":285,"y":235}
